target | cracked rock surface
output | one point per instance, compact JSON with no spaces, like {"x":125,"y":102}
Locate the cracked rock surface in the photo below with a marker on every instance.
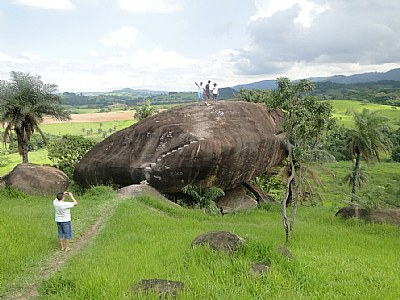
{"x":222,"y":145}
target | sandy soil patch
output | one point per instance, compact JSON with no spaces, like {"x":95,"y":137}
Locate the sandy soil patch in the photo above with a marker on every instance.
{"x":95,"y":117}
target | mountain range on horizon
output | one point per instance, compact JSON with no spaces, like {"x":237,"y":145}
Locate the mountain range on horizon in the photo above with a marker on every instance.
{"x":393,"y":74}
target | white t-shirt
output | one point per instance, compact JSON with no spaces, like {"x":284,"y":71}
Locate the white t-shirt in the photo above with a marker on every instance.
{"x":63,"y":213}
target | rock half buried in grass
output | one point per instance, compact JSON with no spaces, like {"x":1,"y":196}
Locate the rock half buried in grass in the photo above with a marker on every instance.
{"x":352,"y":211}
{"x":220,"y":240}
{"x":259,"y":269}
{"x":165,"y":288}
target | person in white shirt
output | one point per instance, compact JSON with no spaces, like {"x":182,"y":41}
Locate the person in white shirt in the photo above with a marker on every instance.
{"x":63,"y":218}
{"x":215,"y":93}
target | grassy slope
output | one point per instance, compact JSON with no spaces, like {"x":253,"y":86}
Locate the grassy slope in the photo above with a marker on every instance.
{"x":29,"y":234}
{"x":333,"y":259}
{"x":343,"y":108}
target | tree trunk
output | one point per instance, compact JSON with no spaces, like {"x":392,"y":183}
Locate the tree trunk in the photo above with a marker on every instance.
{"x":25,"y":152}
{"x":296,"y":197}
{"x":287,"y":194}
{"x":356,"y":175}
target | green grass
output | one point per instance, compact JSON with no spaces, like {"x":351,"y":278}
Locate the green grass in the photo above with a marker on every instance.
{"x":383,"y":183}
{"x":144,"y":239}
{"x":82,"y":128}
{"x":9,"y":161}
{"x":333,"y":259}
{"x":29,"y":234}
{"x":342,"y":111}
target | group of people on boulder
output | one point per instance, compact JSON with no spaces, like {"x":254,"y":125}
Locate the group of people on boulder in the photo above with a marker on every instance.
{"x":207,"y":93}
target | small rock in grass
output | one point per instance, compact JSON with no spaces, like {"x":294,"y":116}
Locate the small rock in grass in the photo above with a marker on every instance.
{"x":165,"y":288}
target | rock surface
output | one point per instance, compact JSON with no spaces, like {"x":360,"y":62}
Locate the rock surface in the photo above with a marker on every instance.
{"x":135,"y":190}
{"x":385,"y":215}
{"x":36,"y":179}
{"x":221,"y":145}
{"x":220,"y":240}
{"x":352,"y":211}
{"x":166,"y":289}
{"x":380,"y":215}
{"x":236,"y":199}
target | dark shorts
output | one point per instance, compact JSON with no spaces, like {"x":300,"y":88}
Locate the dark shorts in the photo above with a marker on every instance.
{"x":64,"y":230}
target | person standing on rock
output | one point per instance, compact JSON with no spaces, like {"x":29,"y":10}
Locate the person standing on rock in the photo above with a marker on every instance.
{"x":200,"y":93}
{"x":215,"y":93}
{"x":208,"y":91}
{"x":63,"y":218}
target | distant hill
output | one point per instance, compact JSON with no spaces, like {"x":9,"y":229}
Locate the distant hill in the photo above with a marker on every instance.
{"x":393,"y":75}
{"x":259,"y":85}
{"x":382,"y":88}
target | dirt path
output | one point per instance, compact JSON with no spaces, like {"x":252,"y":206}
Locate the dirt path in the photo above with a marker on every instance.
{"x":57,"y":260}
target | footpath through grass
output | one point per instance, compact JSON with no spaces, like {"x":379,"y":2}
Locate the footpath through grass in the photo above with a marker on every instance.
{"x":28,"y":234}
{"x":333,"y":259}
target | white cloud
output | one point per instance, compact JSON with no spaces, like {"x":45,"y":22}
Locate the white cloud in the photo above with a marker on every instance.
{"x":5,"y":58}
{"x":308,"y":9}
{"x":29,"y":56}
{"x":93,"y":53}
{"x":300,"y":32}
{"x":47,"y":4}
{"x":160,"y":59}
{"x":157,"y":6}
{"x":123,"y":37}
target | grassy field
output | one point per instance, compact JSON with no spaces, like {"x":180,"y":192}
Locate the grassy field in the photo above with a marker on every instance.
{"x":343,"y":108}
{"x":144,"y":239}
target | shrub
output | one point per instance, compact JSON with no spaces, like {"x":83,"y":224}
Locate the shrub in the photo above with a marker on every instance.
{"x":396,"y":154}
{"x":145,"y":110}
{"x":65,"y":153}
{"x":204,"y":198}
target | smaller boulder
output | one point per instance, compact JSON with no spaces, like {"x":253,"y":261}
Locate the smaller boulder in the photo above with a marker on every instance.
{"x":235,"y":200}
{"x":386,"y":215}
{"x":285,"y":252}
{"x":259,"y":269}
{"x":353,"y":211}
{"x":165,"y":288}
{"x":36,"y":179}
{"x":220,"y":240}
{"x":135,"y":190}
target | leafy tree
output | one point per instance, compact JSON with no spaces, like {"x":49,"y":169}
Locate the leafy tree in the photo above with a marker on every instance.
{"x":24,"y":101}
{"x":145,"y":110}
{"x":65,"y":153}
{"x":366,"y":143}
{"x":337,"y":141}
{"x":306,"y":122}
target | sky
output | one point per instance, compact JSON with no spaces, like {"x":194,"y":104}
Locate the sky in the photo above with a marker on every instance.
{"x":102,"y":45}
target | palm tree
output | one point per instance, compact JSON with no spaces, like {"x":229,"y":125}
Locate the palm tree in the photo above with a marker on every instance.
{"x":366,"y":143}
{"x":24,"y":101}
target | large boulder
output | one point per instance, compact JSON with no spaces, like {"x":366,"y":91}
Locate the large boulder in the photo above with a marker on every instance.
{"x":221,"y":145}
{"x":36,"y":179}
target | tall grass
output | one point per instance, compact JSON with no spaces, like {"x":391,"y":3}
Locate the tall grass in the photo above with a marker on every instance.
{"x":333,"y":259}
{"x":28,"y":234}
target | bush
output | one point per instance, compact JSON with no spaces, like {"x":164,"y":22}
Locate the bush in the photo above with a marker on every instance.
{"x":145,"y":110}
{"x":65,"y":153}
{"x":396,"y":154}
